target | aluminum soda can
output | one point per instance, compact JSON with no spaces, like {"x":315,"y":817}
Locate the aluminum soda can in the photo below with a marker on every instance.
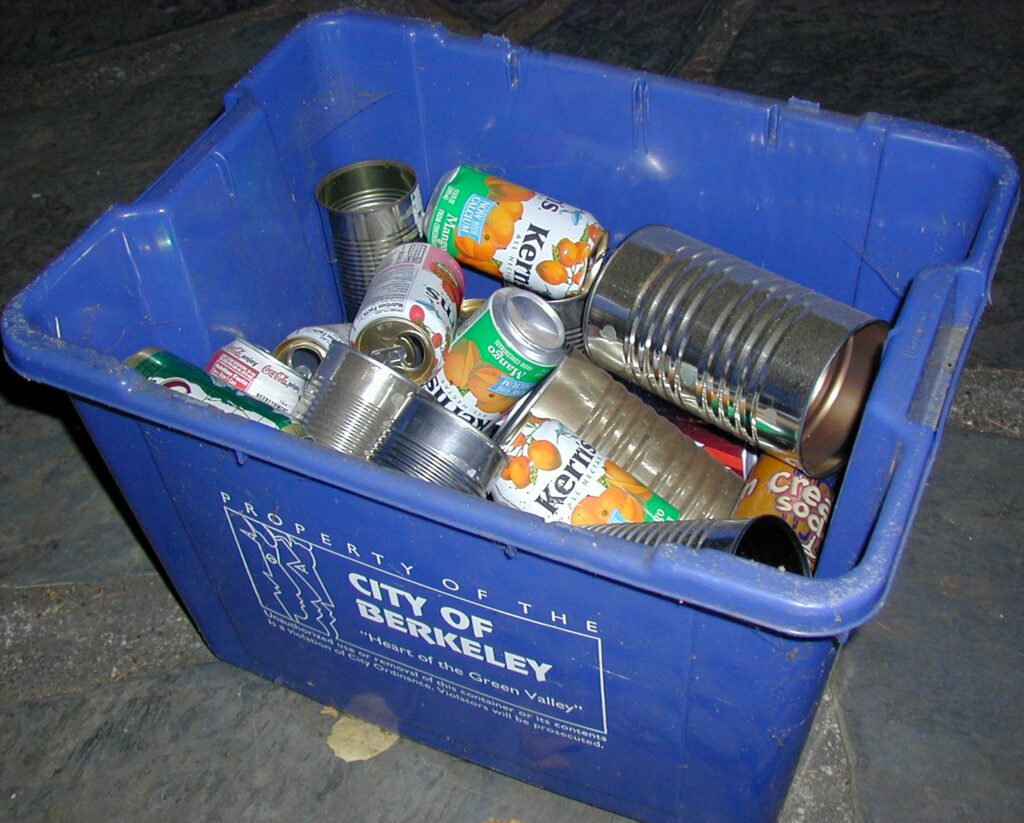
{"x":171,"y":372}
{"x":410,"y":311}
{"x":305,"y":349}
{"x":555,"y":474}
{"x":804,"y":502}
{"x":255,"y":371}
{"x":508,"y":231}
{"x":501,"y":353}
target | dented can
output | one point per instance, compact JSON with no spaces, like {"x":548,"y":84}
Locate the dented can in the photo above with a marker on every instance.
{"x":410,"y":311}
{"x":555,"y":474}
{"x":305,"y":349}
{"x":255,"y":371}
{"x":501,"y":353}
{"x":172,"y":372}
{"x":525,"y":238}
{"x":805,"y":503}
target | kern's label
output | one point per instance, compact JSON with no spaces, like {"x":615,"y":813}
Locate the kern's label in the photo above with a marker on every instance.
{"x":419,"y":284}
{"x":527,"y":239}
{"x":555,"y":474}
{"x":483,"y":375}
{"x":804,"y":502}
{"x":258,"y":373}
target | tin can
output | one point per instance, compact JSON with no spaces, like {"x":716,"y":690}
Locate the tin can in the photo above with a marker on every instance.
{"x":370,"y":207}
{"x":352,"y":401}
{"x":431,"y":443}
{"x":526,"y":239}
{"x":764,"y":539}
{"x":780,"y":366}
{"x":805,"y":503}
{"x":171,"y":372}
{"x":555,"y":474}
{"x":410,"y":311}
{"x":305,"y":349}
{"x":500,"y":354}
{"x":603,"y":412}
{"x":255,"y":371}
{"x":470,"y":306}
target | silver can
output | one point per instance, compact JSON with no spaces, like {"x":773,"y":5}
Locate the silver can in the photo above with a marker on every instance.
{"x":410,"y":311}
{"x":352,"y":401}
{"x":371,"y":207}
{"x":602,"y":411}
{"x":781,"y":366}
{"x":305,"y":349}
{"x":255,"y":371}
{"x":766,"y":539}
{"x":429,"y":442}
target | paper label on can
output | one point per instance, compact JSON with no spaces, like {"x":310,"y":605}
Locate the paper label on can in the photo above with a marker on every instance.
{"x":803,"y":502}
{"x":418,"y":283}
{"x":324,"y":335}
{"x":555,"y":474}
{"x":503,"y":229}
{"x":483,"y":375}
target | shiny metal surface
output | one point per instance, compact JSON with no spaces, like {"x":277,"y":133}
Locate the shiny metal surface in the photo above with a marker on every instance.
{"x":766,"y":539}
{"x":601,"y":411}
{"x":429,"y":442}
{"x":352,"y":401}
{"x":371,"y":206}
{"x":780,"y":366}
{"x":570,"y":312}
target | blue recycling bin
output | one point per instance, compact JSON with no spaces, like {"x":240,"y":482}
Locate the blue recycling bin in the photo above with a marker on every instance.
{"x":666,"y":686}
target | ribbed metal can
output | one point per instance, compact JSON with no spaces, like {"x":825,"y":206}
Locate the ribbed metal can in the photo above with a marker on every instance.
{"x":371,"y":207}
{"x":352,"y":401}
{"x":766,"y":539}
{"x":781,"y":366}
{"x":603,"y":412}
{"x":429,"y":442}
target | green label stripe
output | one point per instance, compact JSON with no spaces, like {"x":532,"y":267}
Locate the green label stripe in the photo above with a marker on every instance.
{"x":466,"y":187}
{"x":658,"y":508}
{"x":496,"y":351}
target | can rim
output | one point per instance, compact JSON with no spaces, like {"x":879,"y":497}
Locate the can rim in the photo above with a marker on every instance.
{"x":358,"y":200}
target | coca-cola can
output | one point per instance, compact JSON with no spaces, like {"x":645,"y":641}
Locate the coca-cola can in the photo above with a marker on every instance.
{"x":256,"y":372}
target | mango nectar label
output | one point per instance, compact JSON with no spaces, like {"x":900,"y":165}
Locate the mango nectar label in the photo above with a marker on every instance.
{"x":555,"y":474}
{"x":483,"y":375}
{"x":503,"y":229}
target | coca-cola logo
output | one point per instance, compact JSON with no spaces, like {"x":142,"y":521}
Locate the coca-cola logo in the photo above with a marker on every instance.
{"x":279,"y":376}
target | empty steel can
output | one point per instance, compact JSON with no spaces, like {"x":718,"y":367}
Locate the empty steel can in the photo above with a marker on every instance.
{"x":305,"y":349}
{"x":351,"y":401}
{"x":409,"y":314}
{"x":371,"y":207}
{"x":429,"y":442}
{"x":527,"y":239}
{"x":555,"y":474}
{"x":603,"y":412}
{"x":779,"y":365}
{"x":766,"y":539}
{"x":501,"y":353}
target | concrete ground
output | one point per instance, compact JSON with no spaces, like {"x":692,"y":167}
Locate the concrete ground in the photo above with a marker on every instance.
{"x":110,"y":703}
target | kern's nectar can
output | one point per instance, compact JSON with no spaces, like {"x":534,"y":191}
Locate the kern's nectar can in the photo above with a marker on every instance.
{"x":170,"y":371}
{"x":410,"y":311}
{"x":255,"y":371}
{"x":555,"y":474}
{"x":804,"y":502}
{"x":525,"y":238}
{"x":305,"y":349}
{"x":501,"y":353}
